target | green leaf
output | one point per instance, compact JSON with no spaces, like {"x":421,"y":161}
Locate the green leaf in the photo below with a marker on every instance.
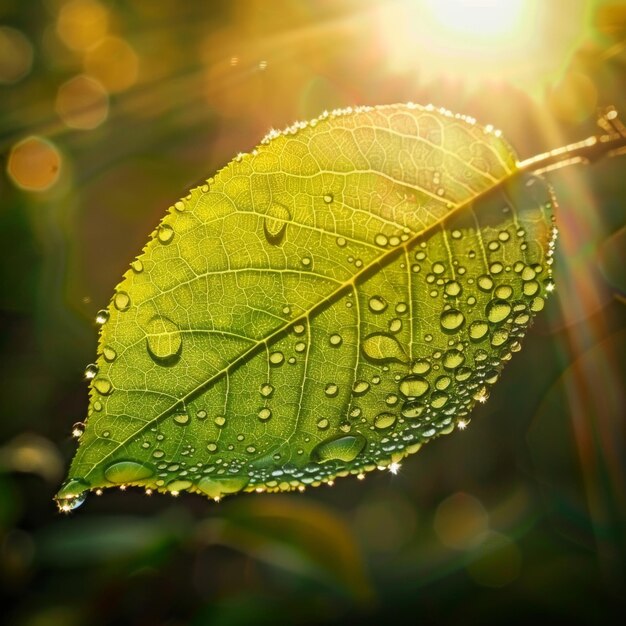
{"x":322,"y":307}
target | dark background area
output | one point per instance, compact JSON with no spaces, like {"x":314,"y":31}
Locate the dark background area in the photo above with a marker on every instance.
{"x":109,"y":112}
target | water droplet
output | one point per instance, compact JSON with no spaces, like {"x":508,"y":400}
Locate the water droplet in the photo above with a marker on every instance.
{"x":496,"y":268}
{"x":453,"y":359}
{"x":266,"y":390}
{"x":340,"y":448}
{"x":122,"y":472}
{"x":201,"y":414}
{"x":322,"y":424}
{"x":530,"y":288}
{"x":164,"y":339}
{"x":331,"y":390}
{"x":165,"y":233}
{"x":453,"y":289}
{"x":537,"y":304}
{"x":412,"y":410}
{"x":442,"y":382}
{"x":395,"y":325}
{"x":265,"y":413}
{"x":137,"y":266}
{"x":528,"y":273}
{"x":275,"y":223}
{"x":477,"y":330}
{"x":219,"y":420}
{"x":499,"y":337}
{"x":341,"y":242}
{"x":277,"y":358}
{"x":438,"y":268}
{"x":211,"y":446}
{"x":181,"y":418}
{"x":413,"y":386}
{"x":380,"y":347}
{"x":121,"y":300}
{"x":216,"y":487}
{"x":102,"y":317}
{"x":109,"y":354}
{"x":391,"y":399}
{"x":503,"y":292}
{"x":384,"y":420}
{"x":451,"y":320}
{"x":360,"y":387}
{"x":462,"y":374}
{"x":497,"y":311}
{"x":306,"y":261}
{"x":485,"y":283}
{"x":328,"y":198}
{"x":78,"y":430}
{"x":549,"y":285}
{"x":103,"y":386}
{"x":420,"y":366}
{"x":381,"y":240}
{"x":91,"y":371}
{"x":335,"y":340}
{"x":97,"y":405}
{"x":377,"y":304}
{"x":300,"y":346}
{"x":438,"y":399}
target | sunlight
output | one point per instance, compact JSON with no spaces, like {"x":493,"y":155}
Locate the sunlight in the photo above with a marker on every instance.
{"x":492,"y":19}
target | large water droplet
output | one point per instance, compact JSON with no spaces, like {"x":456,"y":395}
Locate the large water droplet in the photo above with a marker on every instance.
{"x":164,"y":339}
{"x":453,"y":289}
{"x":497,"y":311}
{"x":451,"y":320}
{"x":122,"y":472}
{"x":121,"y":301}
{"x":381,"y":348}
{"x":275,"y":223}
{"x":339,"y":448}
{"x":413,"y":386}
{"x":264,"y":414}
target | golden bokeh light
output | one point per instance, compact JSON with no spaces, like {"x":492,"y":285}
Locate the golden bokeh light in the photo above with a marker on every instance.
{"x":461,"y":521}
{"x":82,"y":103}
{"x":114,"y":63}
{"x":34,"y":164}
{"x":16,"y":55}
{"x":82,"y":23}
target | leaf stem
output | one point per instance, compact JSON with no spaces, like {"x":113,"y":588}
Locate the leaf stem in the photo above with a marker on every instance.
{"x":586,"y":151}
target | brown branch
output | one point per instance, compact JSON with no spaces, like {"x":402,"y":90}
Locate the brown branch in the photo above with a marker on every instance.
{"x":586,"y":151}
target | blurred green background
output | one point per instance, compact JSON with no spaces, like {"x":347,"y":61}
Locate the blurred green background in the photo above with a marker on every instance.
{"x":109,"y":112}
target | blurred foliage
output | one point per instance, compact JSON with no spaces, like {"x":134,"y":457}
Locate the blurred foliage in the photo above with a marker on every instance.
{"x":109,"y":111}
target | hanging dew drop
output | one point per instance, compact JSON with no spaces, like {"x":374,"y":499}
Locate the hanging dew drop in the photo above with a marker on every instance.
{"x":91,"y":371}
{"x":275,"y":223}
{"x":102,"y":317}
